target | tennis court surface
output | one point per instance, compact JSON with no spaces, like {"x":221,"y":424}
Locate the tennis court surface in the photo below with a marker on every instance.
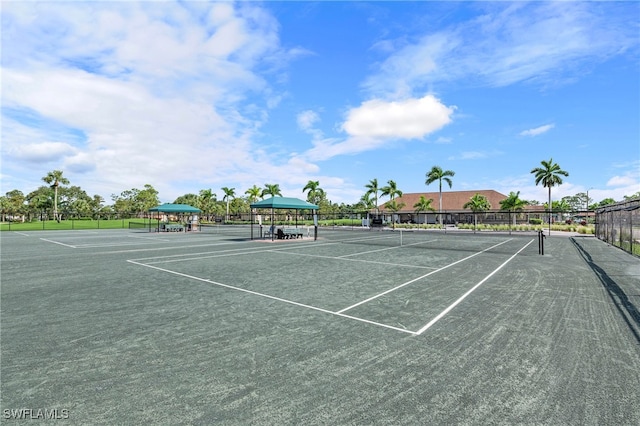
{"x":358,"y":327}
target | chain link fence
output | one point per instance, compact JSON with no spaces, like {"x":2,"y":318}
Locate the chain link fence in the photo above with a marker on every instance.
{"x":493,"y":220}
{"x":619,"y":225}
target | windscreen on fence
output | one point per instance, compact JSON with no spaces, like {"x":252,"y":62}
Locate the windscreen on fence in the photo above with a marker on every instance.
{"x":619,"y":225}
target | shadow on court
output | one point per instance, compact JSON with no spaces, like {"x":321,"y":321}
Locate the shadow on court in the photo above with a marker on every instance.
{"x":616,"y":292}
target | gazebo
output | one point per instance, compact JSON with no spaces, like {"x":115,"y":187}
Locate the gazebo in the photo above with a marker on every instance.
{"x":285,"y":203}
{"x":180,"y":210}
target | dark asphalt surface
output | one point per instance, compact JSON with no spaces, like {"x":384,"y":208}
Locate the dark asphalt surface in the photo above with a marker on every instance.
{"x":547,"y":340}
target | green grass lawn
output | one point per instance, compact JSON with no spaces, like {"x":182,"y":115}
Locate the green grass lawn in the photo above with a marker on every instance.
{"x":69,"y":224}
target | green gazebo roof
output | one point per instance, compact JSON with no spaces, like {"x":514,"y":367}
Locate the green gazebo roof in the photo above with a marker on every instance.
{"x":175,"y":208}
{"x":283,"y":203}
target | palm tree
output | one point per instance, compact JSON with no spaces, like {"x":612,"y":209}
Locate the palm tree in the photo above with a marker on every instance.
{"x":365,"y":204}
{"x":254,"y":193}
{"x":478,"y":203}
{"x":512,"y":203}
{"x":206,"y":200}
{"x":54,"y":179}
{"x":271,"y":189}
{"x":314,"y":191}
{"x":437,"y":174}
{"x":229,"y":193}
{"x":423,"y":205}
{"x":549,"y":175}
{"x":395,"y":207}
{"x":391,"y":190}
{"x":373,"y":189}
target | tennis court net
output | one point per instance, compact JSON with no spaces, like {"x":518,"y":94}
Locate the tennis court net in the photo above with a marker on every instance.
{"x":428,"y":240}
{"x":238,"y":231}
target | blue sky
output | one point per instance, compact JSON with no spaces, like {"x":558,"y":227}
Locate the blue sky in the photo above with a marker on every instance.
{"x":194,"y":95}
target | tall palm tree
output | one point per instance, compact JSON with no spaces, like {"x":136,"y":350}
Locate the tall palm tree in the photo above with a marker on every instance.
{"x":423,"y":205}
{"x":55,"y":178}
{"x":437,"y":174}
{"x":549,"y":175}
{"x":254,"y":193}
{"x":512,"y":203}
{"x":229,"y":193}
{"x":271,"y":189}
{"x":391,"y":190}
{"x":313,"y":191}
{"x":373,"y":189}
{"x":478,"y":203}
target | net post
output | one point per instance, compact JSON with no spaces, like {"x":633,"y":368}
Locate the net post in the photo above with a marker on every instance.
{"x":541,"y":238}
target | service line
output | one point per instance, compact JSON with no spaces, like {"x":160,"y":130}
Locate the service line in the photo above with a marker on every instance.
{"x":255,"y":293}
{"x":454,"y":304}
{"x":421,"y":277}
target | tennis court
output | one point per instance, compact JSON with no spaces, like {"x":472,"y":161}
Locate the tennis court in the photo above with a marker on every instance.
{"x":356,"y":327}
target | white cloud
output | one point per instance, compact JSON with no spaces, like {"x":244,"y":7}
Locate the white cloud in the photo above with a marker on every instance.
{"x":42,"y":152}
{"x":469,"y":155}
{"x":626,"y":180}
{"x":300,"y":164}
{"x":149,"y":92}
{"x":406,"y":119}
{"x":376,"y":123}
{"x":306,"y":122}
{"x":538,"y":130}
{"x":306,"y":119}
{"x":544,"y":42}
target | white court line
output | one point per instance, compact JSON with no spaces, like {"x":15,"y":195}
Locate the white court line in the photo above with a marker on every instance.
{"x":387,"y":248}
{"x":196,"y":256}
{"x":119,"y":244}
{"x":420,"y":277}
{"x":166,"y":248}
{"x":148,"y":238}
{"x":357,"y":260}
{"x":21,"y":233}
{"x":57,"y":242}
{"x":255,"y":293}
{"x":454,"y":304}
{"x":224,"y":253}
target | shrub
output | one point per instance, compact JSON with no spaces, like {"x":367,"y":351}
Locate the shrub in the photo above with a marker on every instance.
{"x":534,"y":221}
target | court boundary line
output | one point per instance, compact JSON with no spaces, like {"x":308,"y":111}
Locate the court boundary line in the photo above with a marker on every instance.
{"x":421,"y":277}
{"x":464,"y":296}
{"x":341,"y":312}
{"x":58,"y":242}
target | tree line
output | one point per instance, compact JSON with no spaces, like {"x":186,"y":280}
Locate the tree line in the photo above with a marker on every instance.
{"x":59,"y":200}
